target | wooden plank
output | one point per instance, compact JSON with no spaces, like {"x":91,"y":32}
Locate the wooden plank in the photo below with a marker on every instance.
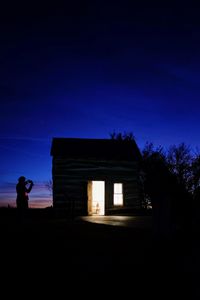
{"x":71,"y":177}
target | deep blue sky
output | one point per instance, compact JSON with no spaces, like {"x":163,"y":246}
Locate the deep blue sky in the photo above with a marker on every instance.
{"x":88,"y":68}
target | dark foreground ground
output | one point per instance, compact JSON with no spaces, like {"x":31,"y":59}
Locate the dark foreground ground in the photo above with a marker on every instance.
{"x":43,"y":255}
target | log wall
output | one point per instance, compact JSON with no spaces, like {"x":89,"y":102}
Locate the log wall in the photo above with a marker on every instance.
{"x":71,"y":177}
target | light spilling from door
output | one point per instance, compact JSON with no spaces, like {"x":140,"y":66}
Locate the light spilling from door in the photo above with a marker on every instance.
{"x":98,"y":198}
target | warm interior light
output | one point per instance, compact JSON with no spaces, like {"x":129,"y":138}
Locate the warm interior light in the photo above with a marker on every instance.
{"x":118,"y":194}
{"x":98,"y":198}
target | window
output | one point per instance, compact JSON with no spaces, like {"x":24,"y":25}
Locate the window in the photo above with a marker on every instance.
{"x":118,"y":194}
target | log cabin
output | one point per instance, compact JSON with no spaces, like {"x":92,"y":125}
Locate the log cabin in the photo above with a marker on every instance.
{"x":96,"y":176}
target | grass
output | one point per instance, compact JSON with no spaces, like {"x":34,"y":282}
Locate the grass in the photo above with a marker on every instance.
{"x":72,"y":253}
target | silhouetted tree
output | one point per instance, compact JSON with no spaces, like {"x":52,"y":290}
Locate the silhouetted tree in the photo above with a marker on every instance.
{"x":147,"y":154}
{"x":49,"y":185}
{"x":149,"y":149}
{"x":195,"y":168}
{"x":196,"y":188}
{"x":162,"y":187}
{"x":169,"y":175}
{"x":154,"y":167}
{"x":179,"y":161}
{"x":127,"y":136}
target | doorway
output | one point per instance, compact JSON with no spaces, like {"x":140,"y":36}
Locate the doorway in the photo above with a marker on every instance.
{"x":96,"y":198}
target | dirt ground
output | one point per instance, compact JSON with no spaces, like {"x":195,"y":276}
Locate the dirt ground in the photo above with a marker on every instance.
{"x":46,"y":253}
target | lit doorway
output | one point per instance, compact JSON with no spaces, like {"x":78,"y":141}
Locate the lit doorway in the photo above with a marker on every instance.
{"x":96,"y":198}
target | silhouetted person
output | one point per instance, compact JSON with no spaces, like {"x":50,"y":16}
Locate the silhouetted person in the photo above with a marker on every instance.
{"x":23,"y":188}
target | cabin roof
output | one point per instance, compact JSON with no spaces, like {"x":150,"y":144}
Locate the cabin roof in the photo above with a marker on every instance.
{"x":108,"y":149}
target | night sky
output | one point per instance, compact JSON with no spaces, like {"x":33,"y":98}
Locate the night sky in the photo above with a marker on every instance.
{"x":89,"y":68}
